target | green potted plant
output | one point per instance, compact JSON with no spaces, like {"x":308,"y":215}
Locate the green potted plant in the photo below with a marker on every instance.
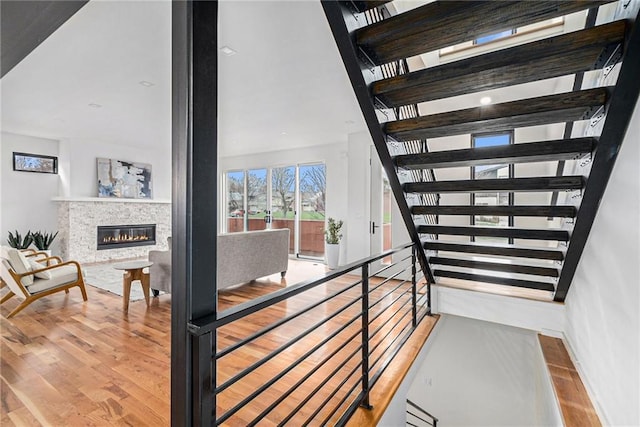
{"x":332,"y":237}
{"x":18,"y":242}
{"x":43,"y":241}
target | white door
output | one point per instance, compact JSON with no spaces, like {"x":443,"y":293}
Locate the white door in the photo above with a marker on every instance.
{"x":380,"y":225}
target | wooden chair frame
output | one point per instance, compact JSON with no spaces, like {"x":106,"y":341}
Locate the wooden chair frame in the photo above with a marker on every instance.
{"x":29,"y":297}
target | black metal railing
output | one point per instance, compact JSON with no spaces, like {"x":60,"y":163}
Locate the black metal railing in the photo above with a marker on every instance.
{"x":418,"y":417}
{"x":311,"y":352}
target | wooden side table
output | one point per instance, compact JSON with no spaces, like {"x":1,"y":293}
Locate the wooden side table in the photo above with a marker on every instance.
{"x":133,"y":271}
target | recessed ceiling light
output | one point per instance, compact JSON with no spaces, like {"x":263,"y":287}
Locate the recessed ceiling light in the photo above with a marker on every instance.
{"x":146,"y":83}
{"x":283,"y":133}
{"x":92,"y":105}
{"x":485,"y":100}
{"x":349,"y":122}
{"x":227,"y":50}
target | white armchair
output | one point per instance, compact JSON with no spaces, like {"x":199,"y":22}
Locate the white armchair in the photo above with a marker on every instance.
{"x":36,"y":277}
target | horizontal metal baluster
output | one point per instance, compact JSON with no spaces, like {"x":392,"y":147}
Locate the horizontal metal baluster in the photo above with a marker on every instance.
{"x":378,"y":329}
{"x":281,"y":374}
{"x":388,"y":306}
{"x":324,"y":402}
{"x":281,"y":322}
{"x":319,"y":386}
{"x":306,"y":377}
{"x":280,"y":349}
{"x":324,"y":422}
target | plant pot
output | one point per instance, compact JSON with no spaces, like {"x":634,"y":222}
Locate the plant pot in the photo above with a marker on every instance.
{"x":332,"y":255}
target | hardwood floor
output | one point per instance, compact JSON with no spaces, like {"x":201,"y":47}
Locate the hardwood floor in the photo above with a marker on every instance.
{"x":65,"y":362}
{"x":575,"y":404}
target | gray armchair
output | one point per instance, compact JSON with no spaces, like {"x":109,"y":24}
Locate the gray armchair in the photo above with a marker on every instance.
{"x":160,"y":270}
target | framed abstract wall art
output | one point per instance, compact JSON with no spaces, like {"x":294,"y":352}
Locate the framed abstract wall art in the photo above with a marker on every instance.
{"x":118,"y":178}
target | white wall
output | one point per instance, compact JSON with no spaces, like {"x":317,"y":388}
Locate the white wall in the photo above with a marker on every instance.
{"x":484,"y":374}
{"x":79,"y":170}
{"x":603,"y":303}
{"x":545,"y":317}
{"x":26,"y":196}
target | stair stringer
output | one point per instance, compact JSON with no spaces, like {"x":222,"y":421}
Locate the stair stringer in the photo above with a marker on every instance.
{"x":361,"y":75}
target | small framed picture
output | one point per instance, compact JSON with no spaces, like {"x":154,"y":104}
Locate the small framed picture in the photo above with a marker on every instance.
{"x":40,"y":163}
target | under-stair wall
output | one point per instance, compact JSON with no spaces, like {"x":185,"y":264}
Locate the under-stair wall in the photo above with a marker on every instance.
{"x":603,"y":305}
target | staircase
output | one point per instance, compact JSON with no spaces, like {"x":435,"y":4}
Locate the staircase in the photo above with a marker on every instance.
{"x":377,"y":45}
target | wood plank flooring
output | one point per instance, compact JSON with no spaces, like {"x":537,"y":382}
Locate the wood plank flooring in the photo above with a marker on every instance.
{"x":388,"y":318}
{"x":65,"y":362}
{"x":575,"y":404}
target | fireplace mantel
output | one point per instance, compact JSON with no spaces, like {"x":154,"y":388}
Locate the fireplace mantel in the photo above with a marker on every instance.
{"x":109,"y":200}
{"x":79,"y":218}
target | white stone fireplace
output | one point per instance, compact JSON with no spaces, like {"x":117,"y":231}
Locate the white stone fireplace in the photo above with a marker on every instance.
{"x":79,"y":218}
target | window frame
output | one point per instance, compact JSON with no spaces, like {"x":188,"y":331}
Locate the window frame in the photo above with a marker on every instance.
{"x":511,"y":195}
{"x":35,"y":156}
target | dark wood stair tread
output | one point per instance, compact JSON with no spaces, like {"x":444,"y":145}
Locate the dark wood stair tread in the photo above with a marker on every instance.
{"x":543,"y":286}
{"x":503,"y":232}
{"x":563,"y":107}
{"x":589,"y":50}
{"x":532,"y":211}
{"x":446,"y":23}
{"x":561,"y":149}
{"x":496,"y":266}
{"x":552,"y":183}
{"x":496,"y":249}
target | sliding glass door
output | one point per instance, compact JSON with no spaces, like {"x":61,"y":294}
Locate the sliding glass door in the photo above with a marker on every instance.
{"x":235,"y":201}
{"x":291,"y":197}
{"x":257,"y":199}
{"x":313,"y":188}
{"x":283,"y":201}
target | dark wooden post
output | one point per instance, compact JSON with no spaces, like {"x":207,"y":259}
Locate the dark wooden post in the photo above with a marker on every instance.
{"x":365,"y":338}
{"x":414,"y":296}
{"x":194,"y":201}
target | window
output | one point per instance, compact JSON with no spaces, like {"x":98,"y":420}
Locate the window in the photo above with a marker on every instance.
{"x":499,"y":171}
{"x":26,"y":162}
{"x":495,"y":36}
{"x":257,"y":201}
{"x":235,"y":201}
{"x":292,"y":197}
{"x":313,"y":193}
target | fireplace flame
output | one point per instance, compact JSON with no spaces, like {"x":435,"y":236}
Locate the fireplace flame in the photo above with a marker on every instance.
{"x":124,"y":238}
